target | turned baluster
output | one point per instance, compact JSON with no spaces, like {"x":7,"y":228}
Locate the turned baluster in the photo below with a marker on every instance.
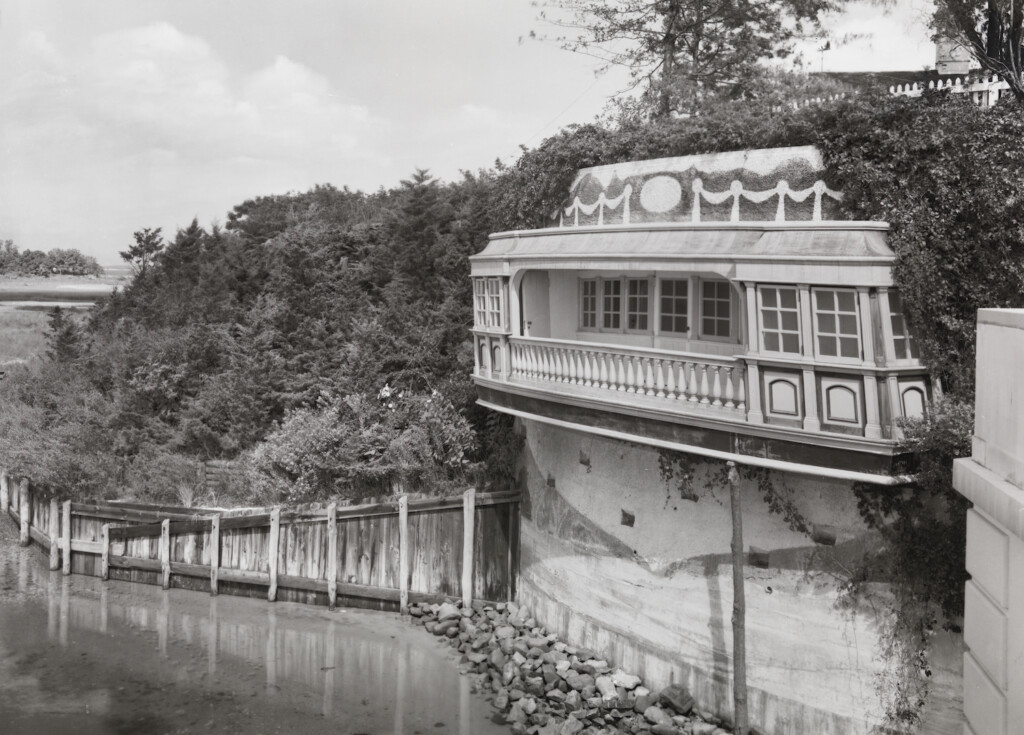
{"x":630,"y":375}
{"x":648,"y":367}
{"x":613,"y":377}
{"x":556,"y":355}
{"x":691,"y":383}
{"x":717,"y":386}
{"x":659,"y":379}
{"x":565,"y":358}
{"x":728,"y":388}
{"x":602,"y":360}
{"x":587,"y":374}
{"x":705,"y":390}
{"x":516,"y":357}
{"x":741,"y":402}
{"x":574,"y":373}
{"x":670,"y":388}
{"x":621,"y":372}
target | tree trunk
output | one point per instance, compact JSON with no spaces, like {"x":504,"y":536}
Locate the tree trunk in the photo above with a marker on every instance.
{"x":739,"y":610}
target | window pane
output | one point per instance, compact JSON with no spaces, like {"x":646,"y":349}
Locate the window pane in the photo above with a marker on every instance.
{"x":847,"y":324}
{"x":787,"y":297}
{"x":789,"y":321}
{"x":771,"y":341}
{"x":709,"y":289}
{"x":768,"y":297}
{"x":771,"y":320}
{"x":827,"y":323}
{"x":790,"y":343}
{"x":723,"y":309}
{"x":900,"y":348}
{"x":850,"y":347}
{"x":824,"y":300}
{"x":827,"y":346}
{"x":845,"y":301}
{"x":709,"y":327}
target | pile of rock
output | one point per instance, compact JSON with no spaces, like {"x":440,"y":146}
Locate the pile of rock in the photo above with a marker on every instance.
{"x":546,"y":687}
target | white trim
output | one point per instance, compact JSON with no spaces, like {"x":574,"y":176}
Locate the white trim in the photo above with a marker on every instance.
{"x":771,"y":464}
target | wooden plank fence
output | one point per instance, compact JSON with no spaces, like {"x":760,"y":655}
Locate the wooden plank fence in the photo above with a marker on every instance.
{"x":380,"y":555}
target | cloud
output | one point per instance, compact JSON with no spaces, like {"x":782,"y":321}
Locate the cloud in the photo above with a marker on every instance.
{"x":153,"y":113}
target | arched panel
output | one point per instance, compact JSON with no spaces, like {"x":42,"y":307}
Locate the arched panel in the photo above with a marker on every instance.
{"x":913,"y":403}
{"x":782,"y":397}
{"x":841,"y":404}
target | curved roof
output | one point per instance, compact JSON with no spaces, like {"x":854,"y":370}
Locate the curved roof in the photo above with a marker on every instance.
{"x":747,"y":241}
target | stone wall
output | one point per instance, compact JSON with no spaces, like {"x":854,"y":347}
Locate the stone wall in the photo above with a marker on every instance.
{"x":993,"y":479}
{"x":617,"y":560}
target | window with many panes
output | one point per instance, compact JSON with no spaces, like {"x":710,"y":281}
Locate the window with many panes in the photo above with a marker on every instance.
{"x":903,"y":342}
{"x":637,"y":303}
{"x":780,"y":319}
{"x":480,"y":302}
{"x":836,"y":323}
{"x":715,"y":309}
{"x":494,"y":306}
{"x":675,"y":304}
{"x":611,"y":304}
{"x":588,"y":304}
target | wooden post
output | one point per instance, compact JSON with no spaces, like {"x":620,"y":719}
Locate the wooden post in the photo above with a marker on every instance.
{"x":165,"y":552}
{"x":214,"y":552}
{"x":25,"y":512}
{"x":332,"y":555}
{"x":403,"y":554}
{"x":468,"y":520}
{"x":5,"y":493}
{"x":273,"y":551}
{"x":65,"y":530}
{"x":54,"y":534}
{"x":105,"y":553}
{"x":739,"y":609}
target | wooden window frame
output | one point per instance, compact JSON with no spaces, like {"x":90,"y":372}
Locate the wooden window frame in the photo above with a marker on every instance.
{"x":780,"y":331}
{"x":660,"y":313}
{"x":906,"y":336}
{"x":649,"y":296}
{"x":597,"y":305}
{"x":729,"y":338}
{"x":816,"y":332}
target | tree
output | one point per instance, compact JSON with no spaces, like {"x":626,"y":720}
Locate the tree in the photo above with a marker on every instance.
{"x":683,"y":52}
{"x":992,"y":30}
{"x":63,"y":337}
{"x":148,"y":244}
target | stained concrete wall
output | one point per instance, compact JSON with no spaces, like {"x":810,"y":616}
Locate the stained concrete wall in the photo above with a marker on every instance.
{"x":656,"y":597}
{"x":993,"y":479}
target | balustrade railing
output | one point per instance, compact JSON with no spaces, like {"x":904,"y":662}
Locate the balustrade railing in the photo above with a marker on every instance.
{"x":696,"y":379}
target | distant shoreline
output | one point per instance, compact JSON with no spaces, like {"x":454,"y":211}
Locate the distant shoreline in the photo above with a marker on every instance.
{"x":59,"y":289}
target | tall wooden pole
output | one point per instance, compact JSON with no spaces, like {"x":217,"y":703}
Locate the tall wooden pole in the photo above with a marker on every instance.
{"x":54,"y":534}
{"x":25,"y":511}
{"x":403,"y":554}
{"x":739,"y":609}
{"x":468,"y":534}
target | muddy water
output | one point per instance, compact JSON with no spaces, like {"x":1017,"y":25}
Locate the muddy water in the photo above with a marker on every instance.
{"x":81,"y":657}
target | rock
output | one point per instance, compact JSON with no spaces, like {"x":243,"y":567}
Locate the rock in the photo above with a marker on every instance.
{"x":529,"y":705}
{"x":534,"y":685}
{"x":578,"y":681}
{"x":642,"y":703}
{"x":415,"y":611}
{"x":677,"y":697}
{"x":497,"y":658}
{"x":501,"y":700}
{"x":571,"y":726}
{"x":537,"y":642}
{"x":446,"y":611}
{"x":709,"y":717}
{"x":663,"y":729}
{"x":702,"y":728}
{"x":509,"y":672}
{"x":641,"y":691}
{"x":607,"y":688}
{"x":556,"y":695}
{"x":504,"y":631}
{"x":624,"y":680}
{"x":573,"y":700}
{"x":657,"y":716}
{"x":452,"y":632}
{"x":519,"y":658}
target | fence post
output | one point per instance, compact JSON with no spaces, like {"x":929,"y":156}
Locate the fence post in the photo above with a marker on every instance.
{"x":403,"y":554}
{"x":5,"y":493}
{"x":214,"y":552}
{"x":54,"y":534}
{"x":105,"y":554}
{"x":25,"y":512}
{"x":468,"y":520}
{"x":273,"y":551}
{"x":332,"y":555}
{"x":165,"y":552}
{"x":65,"y":530}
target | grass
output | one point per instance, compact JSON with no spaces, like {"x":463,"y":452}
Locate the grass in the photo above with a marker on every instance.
{"x":22,"y":334}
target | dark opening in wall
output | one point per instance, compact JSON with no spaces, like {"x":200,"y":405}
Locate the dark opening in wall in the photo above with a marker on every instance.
{"x":628,"y":519}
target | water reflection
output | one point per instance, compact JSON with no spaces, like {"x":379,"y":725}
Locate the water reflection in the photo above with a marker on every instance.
{"x":188,"y":662}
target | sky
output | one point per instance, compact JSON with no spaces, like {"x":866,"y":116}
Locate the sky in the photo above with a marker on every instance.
{"x":117,"y":115}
